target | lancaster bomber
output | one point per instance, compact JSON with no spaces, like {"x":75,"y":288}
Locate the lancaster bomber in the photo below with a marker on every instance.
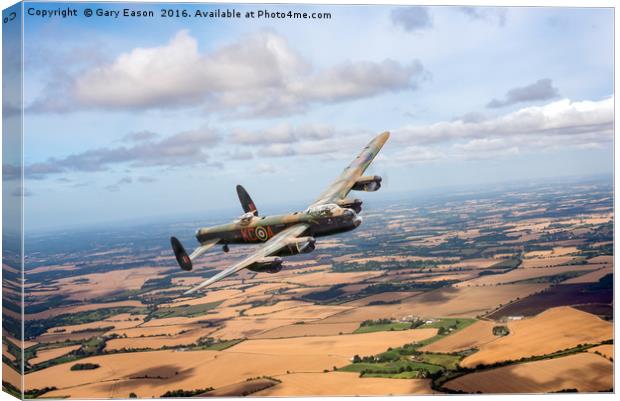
{"x":288,"y":234}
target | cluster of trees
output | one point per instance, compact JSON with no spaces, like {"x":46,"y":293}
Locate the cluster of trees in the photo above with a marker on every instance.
{"x":500,"y":331}
{"x":84,"y":366}
{"x":421,"y":373}
{"x":37,"y":392}
{"x":185,"y":393}
{"x":375,"y":322}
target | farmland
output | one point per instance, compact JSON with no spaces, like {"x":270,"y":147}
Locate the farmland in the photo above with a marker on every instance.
{"x":506,"y":291}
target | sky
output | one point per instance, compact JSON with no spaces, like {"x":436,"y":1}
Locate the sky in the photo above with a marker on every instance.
{"x":131,"y":118}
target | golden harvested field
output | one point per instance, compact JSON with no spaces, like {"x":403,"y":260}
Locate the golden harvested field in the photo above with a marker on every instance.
{"x":10,"y":375}
{"x":79,"y":308}
{"x":101,"y":284}
{"x":342,"y":345}
{"x":187,"y":338}
{"x":444,"y":277}
{"x":48,"y":268}
{"x":120,"y":374}
{"x":309,"y":329}
{"x":328,"y":278}
{"x":525,"y":274}
{"x":602,"y":259}
{"x":591,"y":277}
{"x":443,"y":302}
{"x":473,"y":336}
{"x":343,"y":383}
{"x":607,"y":350}
{"x":552,"y":330}
{"x":211,"y":296}
{"x":146,"y":331}
{"x":243,"y":327}
{"x":585,"y":372}
{"x":545,"y":262}
{"x":240,"y":389}
{"x":310,"y":312}
{"x":47,"y":354}
{"x":263,"y":310}
{"x":556,"y":251}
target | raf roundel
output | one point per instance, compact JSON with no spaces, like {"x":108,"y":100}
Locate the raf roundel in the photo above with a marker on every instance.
{"x":261,"y":234}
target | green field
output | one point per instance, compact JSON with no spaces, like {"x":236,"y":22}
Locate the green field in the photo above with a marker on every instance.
{"x":383,"y":327}
{"x":183,"y":310}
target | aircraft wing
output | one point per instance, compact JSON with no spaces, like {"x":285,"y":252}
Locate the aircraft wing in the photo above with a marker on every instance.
{"x":343,"y":184}
{"x":269,"y":248}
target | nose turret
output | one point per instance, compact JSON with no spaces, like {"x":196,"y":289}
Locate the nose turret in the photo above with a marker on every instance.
{"x":355,"y":219}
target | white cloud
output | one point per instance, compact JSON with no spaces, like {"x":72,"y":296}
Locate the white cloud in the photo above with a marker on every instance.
{"x":259,"y":75}
{"x":559,"y":125}
{"x":283,"y":133}
{"x":411,"y":18}
{"x":555,"y":120}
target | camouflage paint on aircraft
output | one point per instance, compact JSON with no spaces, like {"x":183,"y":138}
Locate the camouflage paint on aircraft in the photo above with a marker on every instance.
{"x":292,"y":233}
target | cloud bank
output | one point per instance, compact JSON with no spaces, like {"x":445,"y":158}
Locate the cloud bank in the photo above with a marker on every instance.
{"x":540,"y":90}
{"x":258,"y":75}
{"x":558,"y":125}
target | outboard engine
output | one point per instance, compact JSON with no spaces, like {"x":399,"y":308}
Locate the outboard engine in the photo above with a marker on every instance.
{"x":353,"y":204}
{"x":368,"y":183}
{"x":296,"y":246}
{"x":271,"y":264}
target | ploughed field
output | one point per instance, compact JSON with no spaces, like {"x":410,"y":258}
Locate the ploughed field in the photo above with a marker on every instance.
{"x":502,"y":293}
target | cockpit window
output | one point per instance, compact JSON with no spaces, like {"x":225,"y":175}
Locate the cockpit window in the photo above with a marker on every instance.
{"x":322,"y":210}
{"x":246,"y":218}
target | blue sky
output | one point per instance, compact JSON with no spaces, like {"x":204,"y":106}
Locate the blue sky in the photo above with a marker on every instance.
{"x":134,"y":118}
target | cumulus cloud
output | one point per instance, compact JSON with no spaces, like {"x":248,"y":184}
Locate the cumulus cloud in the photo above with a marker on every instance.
{"x":283,"y":133}
{"x":558,"y":125}
{"x":555,"y":126}
{"x":564,"y":118}
{"x":490,"y":14}
{"x":540,"y":90}
{"x":139,"y":136}
{"x":277,"y":150}
{"x":182,"y":149}
{"x":259,"y":75}
{"x":411,"y":18}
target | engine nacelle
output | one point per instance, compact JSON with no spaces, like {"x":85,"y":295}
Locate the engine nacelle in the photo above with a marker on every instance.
{"x":296,"y":246}
{"x":353,"y":204}
{"x":368,"y":183}
{"x":270,"y":264}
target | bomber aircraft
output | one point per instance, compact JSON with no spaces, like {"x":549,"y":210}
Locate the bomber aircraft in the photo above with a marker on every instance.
{"x":288,"y":234}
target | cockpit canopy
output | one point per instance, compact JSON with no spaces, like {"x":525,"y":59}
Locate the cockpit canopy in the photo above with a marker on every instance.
{"x":323,"y":210}
{"x":246,"y":218}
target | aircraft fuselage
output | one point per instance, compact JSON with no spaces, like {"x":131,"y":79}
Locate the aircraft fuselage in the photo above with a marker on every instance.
{"x":256,"y":229}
